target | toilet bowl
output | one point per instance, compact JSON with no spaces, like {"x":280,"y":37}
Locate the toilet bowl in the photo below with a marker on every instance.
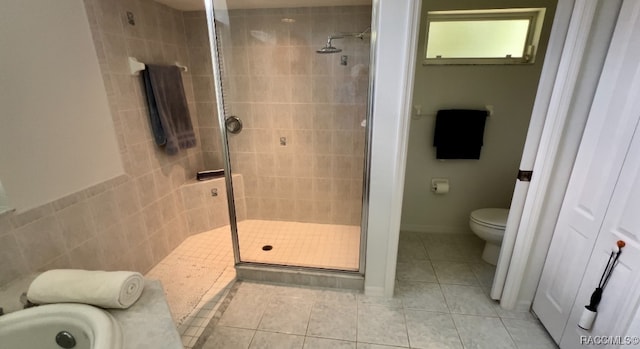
{"x":488,"y":224}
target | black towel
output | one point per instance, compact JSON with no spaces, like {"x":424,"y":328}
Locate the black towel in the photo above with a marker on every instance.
{"x":459,"y":133}
{"x":171,"y":103}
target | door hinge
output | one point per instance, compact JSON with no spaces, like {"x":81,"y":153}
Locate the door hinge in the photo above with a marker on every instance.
{"x":524,"y":176}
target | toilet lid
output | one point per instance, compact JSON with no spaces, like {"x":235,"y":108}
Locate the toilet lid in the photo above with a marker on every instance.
{"x":496,"y":217}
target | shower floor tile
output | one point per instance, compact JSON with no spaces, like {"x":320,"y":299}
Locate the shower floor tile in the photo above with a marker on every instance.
{"x":198,"y":274}
{"x":328,"y":246}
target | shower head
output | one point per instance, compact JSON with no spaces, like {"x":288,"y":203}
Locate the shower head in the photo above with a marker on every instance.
{"x":329,"y":49}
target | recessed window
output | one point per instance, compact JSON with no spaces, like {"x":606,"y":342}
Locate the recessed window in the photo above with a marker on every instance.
{"x":504,"y":36}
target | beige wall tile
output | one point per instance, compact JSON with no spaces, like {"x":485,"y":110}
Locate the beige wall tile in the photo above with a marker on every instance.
{"x":241,"y":210}
{"x":322,"y":188}
{"x":285,"y":209}
{"x":302,"y":165}
{"x":112,"y":243}
{"x":40,"y":242}
{"x":116,"y":52}
{"x":304,"y":210}
{"x":197,"y":220}
{"x":322,"y":211}
{"x":203,"y":88}
{"x":5,"y":224}
{"x":174,"y":233}
{"x":12,"y":263}
{"x":267,"y":186}
{"x":342,"y":166}
{"x":142,"y":258}
{"x":108,"y":16}
{"x":135,"y":127}
{"x":159,"y":245}
{"x":168,"y":208}
{"x":140,"y":160}
{"x":68,"y":201}
{"x":284,"y":188}
{"x":146,"y":189}
{"x":88,"y":256}
{"x":134,"y":229}
{"x":61,"y":262}
{"x":77,"y":224}
{"x":322,"y":165}
{"x":207,"y":114}
{"x":303,"y":188}
{"x":196,"y":30}
{"x":192,"y":197}
{"x":284,"y":164}
{"x":266,"y":164}
{"x":20,"y":219}
{"x":253,"y":207}
{"x":104,"y":210}
{"x":162,"y":180}
{"x":322,"y":143}
{"x":301,"y":90}
{"x":153,"y":218}
{"x":268,"y":207}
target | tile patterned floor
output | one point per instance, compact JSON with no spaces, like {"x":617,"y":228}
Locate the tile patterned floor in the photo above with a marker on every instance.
{"x":196,"y":277}
{"x":440,"y":302}
{"x":198,"y":274}
{"x":303,"y":244}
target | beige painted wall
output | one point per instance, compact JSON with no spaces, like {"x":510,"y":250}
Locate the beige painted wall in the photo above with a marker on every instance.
{"x":57,"y":136}
{"x":474,"y":184}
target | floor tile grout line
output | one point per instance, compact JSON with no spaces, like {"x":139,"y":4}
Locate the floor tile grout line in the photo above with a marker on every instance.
{"x":509,"y":333}
{"x":476,"y":275}
{"x":457,"y":330}
{"x":406,"y":326}
{"x":253,"y":337}
{"x":402,"y":306}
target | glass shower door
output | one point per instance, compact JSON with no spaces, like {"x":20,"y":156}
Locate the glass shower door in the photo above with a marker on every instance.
{"x":294,"y":87}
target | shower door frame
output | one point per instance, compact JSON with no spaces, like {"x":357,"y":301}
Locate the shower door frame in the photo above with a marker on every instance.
{"x":217,"y":76}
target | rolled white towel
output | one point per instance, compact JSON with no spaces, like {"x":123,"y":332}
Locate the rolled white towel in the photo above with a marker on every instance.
{"x":106,"y":289}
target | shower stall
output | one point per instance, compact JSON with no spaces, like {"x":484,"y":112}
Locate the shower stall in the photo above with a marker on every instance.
{"x":292,"y":88}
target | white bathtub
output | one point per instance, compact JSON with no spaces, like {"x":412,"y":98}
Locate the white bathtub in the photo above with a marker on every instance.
{"x":37,"y":327}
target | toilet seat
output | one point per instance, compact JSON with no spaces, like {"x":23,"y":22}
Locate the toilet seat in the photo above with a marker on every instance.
{"x":490,"y":217}
{"x":489,"y":224}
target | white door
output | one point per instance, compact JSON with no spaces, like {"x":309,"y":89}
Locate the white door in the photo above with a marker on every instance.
{"x":606,"y":141}
{"x":622,"y":293}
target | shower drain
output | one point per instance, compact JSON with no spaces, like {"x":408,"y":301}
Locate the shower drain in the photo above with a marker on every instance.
{"x":267,"y":248}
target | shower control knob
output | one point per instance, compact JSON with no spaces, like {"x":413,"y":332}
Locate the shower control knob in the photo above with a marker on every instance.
{"x":233,"y":124}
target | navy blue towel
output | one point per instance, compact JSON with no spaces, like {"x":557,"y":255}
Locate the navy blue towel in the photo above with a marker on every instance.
{"x":171,"y":109}
{"x":154,"y":117}
{"x":459,"y":133}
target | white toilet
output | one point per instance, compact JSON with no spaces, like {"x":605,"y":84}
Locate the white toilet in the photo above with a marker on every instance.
{"x":488,"y":224}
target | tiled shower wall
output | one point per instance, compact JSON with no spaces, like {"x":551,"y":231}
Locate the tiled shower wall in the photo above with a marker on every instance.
{"x":204,"y":96}
{"x":133,"y":221}
{"x":284,"y":92}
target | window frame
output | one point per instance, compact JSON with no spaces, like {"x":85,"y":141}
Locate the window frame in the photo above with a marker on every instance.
{"x":535,"y":16}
